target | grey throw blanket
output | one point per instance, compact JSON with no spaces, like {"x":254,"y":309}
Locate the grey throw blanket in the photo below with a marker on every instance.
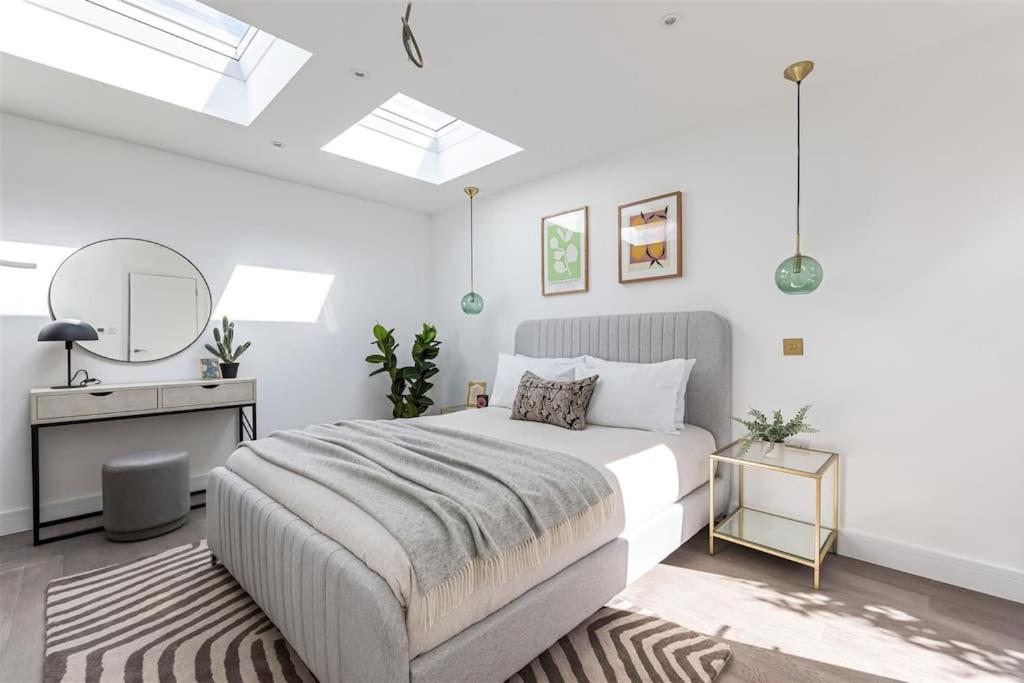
{"x":465,"y":508}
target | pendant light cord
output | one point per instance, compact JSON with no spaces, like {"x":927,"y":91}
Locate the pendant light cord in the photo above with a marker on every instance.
{"x":471,"y":287}
{"x":798,"y":168}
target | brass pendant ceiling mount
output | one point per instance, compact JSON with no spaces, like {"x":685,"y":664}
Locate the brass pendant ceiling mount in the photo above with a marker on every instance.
{"x":798,"y":71}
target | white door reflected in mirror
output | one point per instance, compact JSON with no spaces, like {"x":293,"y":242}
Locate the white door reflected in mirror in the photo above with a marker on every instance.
{"x":146,"y":300}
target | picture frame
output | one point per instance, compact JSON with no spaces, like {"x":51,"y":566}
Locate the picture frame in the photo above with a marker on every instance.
{"x":650,"y":234}
{"x":565,"y":252}
{"x":209,"y":368}
{"x":476,"y":388}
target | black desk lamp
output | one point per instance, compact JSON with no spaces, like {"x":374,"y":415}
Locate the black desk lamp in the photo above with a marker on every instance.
{"x":68,"y":331}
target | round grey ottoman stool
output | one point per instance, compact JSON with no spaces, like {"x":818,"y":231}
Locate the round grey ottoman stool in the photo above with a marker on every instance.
{"x":145,"y":495}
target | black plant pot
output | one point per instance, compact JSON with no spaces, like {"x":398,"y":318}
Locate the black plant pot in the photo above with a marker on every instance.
{"x":229,"y":370}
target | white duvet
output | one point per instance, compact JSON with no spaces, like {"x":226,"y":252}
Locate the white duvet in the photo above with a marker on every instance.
{"x":648,"y":472}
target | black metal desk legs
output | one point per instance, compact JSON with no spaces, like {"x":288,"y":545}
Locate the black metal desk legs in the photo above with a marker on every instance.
{"x":35,"y":485}
{"x":246,"y":428}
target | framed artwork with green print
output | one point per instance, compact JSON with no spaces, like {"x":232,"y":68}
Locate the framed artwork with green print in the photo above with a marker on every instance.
{"x":564,"y":252}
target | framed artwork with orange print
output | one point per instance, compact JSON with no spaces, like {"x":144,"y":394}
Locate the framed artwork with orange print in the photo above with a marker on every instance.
{"x":651,"y":238}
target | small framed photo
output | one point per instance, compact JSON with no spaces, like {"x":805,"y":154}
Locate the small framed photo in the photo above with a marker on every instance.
{"x":482,"y":400}
{"x":651,"y":238}
{"x":209,"y":368}
{"x":565,"y":252}
{"x":476,"y":389}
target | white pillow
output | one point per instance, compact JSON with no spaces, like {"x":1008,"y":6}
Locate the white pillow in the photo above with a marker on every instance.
{"x":511,"y":369}
{"x":636,"y":395}
{"x":681,"y":396}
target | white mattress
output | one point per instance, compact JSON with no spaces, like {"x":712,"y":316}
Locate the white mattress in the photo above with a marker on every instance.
{"x":648,"y":472}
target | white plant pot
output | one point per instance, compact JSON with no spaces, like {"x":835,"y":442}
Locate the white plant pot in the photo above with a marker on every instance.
{"x":771,"y":449}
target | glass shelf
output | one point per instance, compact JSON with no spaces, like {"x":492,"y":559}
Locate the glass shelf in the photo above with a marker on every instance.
{"x":807,"y":462}
{"x":765,"y":531}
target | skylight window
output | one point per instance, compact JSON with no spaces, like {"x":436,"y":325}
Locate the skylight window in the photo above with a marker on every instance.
{"x":416,"y":113}
{"x":406,"y":136}
{"x":189,"y":20}
{"x":179,"y":51}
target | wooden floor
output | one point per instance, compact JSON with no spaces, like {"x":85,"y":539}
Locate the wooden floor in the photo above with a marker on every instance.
{"x":866,"y":624}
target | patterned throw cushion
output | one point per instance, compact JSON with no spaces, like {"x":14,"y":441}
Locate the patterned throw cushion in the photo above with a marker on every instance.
{"x":563,"y":404}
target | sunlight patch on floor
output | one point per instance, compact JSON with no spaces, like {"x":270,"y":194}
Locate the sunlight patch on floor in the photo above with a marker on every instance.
{"x":868,"y":636}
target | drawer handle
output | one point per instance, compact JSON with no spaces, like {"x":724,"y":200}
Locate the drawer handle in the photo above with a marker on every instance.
{"x":100,"y":393}
{"x":209,"y":386}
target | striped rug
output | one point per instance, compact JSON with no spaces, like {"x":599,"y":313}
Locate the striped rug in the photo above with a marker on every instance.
{"x":176,"y":617}
{"x":622,"y":642}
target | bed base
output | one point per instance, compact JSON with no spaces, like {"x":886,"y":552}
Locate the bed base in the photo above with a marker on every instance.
{"x":347,"y":625}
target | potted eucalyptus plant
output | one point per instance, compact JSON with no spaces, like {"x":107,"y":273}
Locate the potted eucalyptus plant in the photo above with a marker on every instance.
{"x":228,"y":356}
{"x":772,"y":432}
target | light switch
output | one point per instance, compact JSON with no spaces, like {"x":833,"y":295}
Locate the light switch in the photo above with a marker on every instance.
{"x":793,"y":347}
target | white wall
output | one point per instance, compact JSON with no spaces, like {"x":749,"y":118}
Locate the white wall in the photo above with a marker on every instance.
{"x":62,"y":187}
{"x":913,"y":358}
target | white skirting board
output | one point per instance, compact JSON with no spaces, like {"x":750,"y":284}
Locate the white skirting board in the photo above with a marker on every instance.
{"x":1003,"y":582}
{"x":13,"y":521}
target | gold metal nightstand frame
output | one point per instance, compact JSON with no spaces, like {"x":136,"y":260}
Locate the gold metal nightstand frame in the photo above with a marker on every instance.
{"x":831,"y":542}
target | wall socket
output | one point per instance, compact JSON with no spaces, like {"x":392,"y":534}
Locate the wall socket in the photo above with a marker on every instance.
{"x":793,"y":346}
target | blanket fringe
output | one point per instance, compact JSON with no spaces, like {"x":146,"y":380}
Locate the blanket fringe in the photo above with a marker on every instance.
{"x":512,"y":562}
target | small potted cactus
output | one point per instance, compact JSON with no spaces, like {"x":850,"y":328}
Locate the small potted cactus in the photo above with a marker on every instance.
{"x":228,"y":356}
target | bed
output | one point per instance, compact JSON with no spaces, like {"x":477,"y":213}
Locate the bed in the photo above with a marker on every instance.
{"x":350,"y":608}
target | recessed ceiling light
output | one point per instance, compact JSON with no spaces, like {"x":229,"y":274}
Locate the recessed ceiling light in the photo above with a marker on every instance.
{"x":670,"y":20}
{"x":276,"y":143}
{"x":359,"y":74}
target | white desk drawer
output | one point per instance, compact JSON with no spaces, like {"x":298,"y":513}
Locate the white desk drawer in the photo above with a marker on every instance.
{"x":96,"y":403}
{"x":199,"y":395}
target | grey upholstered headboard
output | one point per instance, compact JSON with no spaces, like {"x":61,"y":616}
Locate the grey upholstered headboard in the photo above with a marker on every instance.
{"x":650,"y":338}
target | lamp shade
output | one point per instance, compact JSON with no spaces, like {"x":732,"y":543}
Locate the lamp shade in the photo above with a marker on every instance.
{"x":798,"y":274}
{"x":68,"y":329}
{"x":472,"y":304}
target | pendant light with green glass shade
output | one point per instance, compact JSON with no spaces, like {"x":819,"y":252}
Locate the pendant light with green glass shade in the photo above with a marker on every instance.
{"x":472,"y":303}
{"x":799,"y":274}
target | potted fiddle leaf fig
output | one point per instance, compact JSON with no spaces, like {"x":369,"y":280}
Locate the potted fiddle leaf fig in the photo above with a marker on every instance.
{"x":228,"y":356}
{"x":409,"y":385}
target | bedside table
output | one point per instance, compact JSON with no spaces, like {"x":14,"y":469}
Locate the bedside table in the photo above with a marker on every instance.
{"x":805,"y":543}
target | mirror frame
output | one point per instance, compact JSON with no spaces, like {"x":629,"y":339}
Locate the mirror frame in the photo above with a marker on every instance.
{"x":209,"y":294}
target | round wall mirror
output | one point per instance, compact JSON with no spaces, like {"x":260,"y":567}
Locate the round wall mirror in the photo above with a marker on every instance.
{"x":145,"y":300}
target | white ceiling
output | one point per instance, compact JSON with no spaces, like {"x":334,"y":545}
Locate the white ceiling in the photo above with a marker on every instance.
{"x":567,"y":81}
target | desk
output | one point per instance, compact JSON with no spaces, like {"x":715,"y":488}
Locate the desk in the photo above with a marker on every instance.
{"x":106,"y":402}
